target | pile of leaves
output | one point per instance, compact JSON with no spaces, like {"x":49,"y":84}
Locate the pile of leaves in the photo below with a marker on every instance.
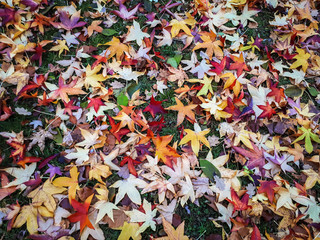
{"x":117,"y":116}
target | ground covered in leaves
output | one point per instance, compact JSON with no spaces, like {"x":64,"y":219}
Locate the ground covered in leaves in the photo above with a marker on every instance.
{"x":159,"y":119}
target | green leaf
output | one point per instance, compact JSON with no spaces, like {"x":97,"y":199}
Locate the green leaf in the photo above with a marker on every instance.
{"x":122,"y":100}
{"x":293,"y":91}
{"x":84,"y":104}
{"x":314,"y":92}
{"x":58,"y":137}
{"x":109,"y":32}
{"x":178,"y":58}
{"x":209,"y":169}
{"x":308,"y":144}
{"x":172,"y":61}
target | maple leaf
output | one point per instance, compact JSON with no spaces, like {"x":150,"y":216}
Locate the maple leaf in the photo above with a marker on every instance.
{"x":129,"y":230}
{"x":28,"y":214}
{"x":207,"y":85}
{"x":268,"y":111}
{"x":43,"y":195}
{"x":165,"y":39}
{"x":99,"y":170}
{"x":255,"y":155}
{"x":232,"y":83}
{"x":108,"y":159}
{"x":238,"y":204}
{"x":131,"y":162}
{"x":187,"y":191}
{"x":22,"y":162}
{"x":135,"y":34}
{"x":116,"y":48}
{"x":307,"y":135}
{"x":96,"y":103}
{"x":19,"y":149}
{"x":155,"y":107}
{"x":92,"y":78}
{"x":65,"y":89}
{"x":66,"y":23}
{"x":255,"y":235}
{"x":277,"y":93}
{"x":213,"y":47}
{"x":124,"y":13}
{"x":163,"y":151}
{"x":60,"y":47}
{"x":81,"y":214}
{"x":239,"y":64}
{"x":301,"y":60}
{"x":268,"y":188}
{"x":172,"y":233}
{"x":313,"y":178}
{"x":21,"y":175}
{"x":246,"y":15}
{"x":285,"y":199}
{"x":69,"y":107}
{"x":44,"y":101}
{"x":195,"y":137}
{"x":145,"y":216}
{"x":219,"y":67}
{"x":184,"y":111}
{"x":70,"y":182}
{"x":115,"y":129}
{"x":89,"y":139}
{"x":104,"y":206}
{"x":128,"y":186}
{"x":179,"y":25}
{"x":95,"y":27}
{"x":215,"y":108}
{"x":81,"y":154}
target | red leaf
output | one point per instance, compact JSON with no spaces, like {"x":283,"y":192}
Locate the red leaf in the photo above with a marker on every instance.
{"x":219,"y":67}
{"x":267,"y":187}
{"x":155,"y":107}
{"x":255,"y":156}
{"x":268,"y":111}
{"x":255,"y":233}
{"x":69,"y":107}
{"x":131,"y":162}
{"x":277,"y":93}
{"x":81,"y":213}
{"x":25,"y":160}
{"x":238,"y":204}
{"x":96,"y":103}
{"x":115,"y":129}
{"x":238,"y":64}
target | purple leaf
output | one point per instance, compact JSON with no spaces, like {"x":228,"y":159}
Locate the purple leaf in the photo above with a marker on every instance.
{"x":125,"y":14}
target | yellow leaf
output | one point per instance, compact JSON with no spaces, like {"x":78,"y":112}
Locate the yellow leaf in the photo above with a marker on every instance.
{"x":116,"y":48}
{"x":177,"y":26}
{"x":71,"y":182}
{"x":302,"y":60}
{"x":213,"y":47}
{"x":60,"y":47}
{"x":313,"y":178}
{"x":92,"y":78}
{"x":195,"y":138}
{"x":28,"y":214}
{"x":173,"y":234}
{"x":43,"y":195}
{"x":129,"y":230}
{"x":98,"y":171}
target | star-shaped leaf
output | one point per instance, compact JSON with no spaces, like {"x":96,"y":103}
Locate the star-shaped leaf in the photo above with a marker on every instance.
{"x":184,"y":111}
{"x":196,"y":137}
